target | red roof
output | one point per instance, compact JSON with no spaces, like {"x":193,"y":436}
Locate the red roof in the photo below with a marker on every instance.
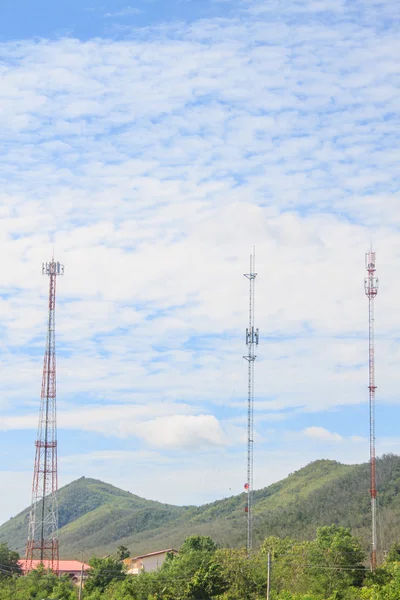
{"x":66,"y":566}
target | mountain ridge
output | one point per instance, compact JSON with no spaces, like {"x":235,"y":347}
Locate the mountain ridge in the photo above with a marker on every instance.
{"x":95,"y":517}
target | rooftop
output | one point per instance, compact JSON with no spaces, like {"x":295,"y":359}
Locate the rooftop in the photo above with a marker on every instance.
{"x":63,"y":565}
{"x":155,"y":553}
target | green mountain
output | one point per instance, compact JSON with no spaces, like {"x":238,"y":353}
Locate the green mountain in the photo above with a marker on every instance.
{"x":96,"y":517}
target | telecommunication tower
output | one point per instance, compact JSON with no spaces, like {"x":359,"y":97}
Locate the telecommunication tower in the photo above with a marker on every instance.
{"x":43,"y":519}
{"x":252,"y":338}
{"x":371,"y":289}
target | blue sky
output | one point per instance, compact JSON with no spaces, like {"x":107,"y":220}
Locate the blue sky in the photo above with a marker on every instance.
{"x":86,"y":20}
{"x":153,"y":144}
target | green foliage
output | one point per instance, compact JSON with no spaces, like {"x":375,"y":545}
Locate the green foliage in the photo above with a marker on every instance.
{"x":9,"y":562}
{"x":194,"y":574}
{"x":103,"y":572}
{"x":390,"y":590}
{"x":338,"y":559}
{"x":123,"y":552}
{"x":38,"y":585}
{"x":289,"y":563}
{"x":206,"y":582}
{"x":277,"y":547}
{"x":289,"y":596}
{"x":394,"y":553}
{"x":198,"y":543}
{"x":245,"y":577}
{"x":329,"y":567}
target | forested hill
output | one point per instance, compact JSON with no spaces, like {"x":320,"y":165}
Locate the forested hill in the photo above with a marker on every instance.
{"x":96,"y":517}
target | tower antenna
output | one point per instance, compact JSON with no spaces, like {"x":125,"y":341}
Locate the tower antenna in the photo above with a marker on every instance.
{"x":252,"y":338}
{"x":371,"y":289}
{"x":42,"y":541}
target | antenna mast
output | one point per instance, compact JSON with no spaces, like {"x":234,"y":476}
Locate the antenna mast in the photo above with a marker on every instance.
{"x":43,"y":519}
{"x":371,"y":289}
{"x":252,"y":338}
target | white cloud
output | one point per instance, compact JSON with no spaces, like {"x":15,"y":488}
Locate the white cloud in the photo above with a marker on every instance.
{"x":168,"y":431}
{"x":321,"y":434}
{"x":154,"y":164}
{"x":189,"y":431}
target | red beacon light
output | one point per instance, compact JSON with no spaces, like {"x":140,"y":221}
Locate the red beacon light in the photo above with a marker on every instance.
{"x":246,"y":486}
{"x":246,"y":509}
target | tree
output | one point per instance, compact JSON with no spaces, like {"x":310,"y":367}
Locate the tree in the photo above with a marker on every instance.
{"x":194,"y":574}
{"x":103,"y":571}
{"x":277,"y":547}
{"x":207,"y":582}
{"x":288,"y":563}
{"x":243,"y":577}
{"x":336,"y":561}
{"x":37,"y":585}
{"x":64,"y":589}
{"x":394,"y":553}
{"x":122,"y":553}
{"x":198,"y":543}
{"x":9,"y":562}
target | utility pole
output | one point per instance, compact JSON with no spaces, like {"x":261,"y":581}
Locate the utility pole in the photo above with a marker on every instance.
{"x":81,"y":584}
{"x":252,"y":338}
{"x":371,"y":284}
{"x":42,"y":541}
{"x":269,"y":575}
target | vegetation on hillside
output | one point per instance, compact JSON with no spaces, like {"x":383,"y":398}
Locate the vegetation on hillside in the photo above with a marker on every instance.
{"x":328,"y":567}
{"x":96,"y":518}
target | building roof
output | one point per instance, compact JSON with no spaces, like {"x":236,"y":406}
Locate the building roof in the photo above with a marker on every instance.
{"x":63,"y":565}
{"x":155,"y":553}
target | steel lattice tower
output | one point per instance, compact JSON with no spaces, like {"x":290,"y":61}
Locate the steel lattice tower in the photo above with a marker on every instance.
{"x":43,"y":519}
{"x":252,"y":338}
{"x":371,"y":289}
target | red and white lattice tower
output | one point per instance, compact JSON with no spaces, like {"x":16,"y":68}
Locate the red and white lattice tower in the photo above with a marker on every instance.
{"x":252,"y":338}
{"x":43,"y":519}
{"x":371,"y":290}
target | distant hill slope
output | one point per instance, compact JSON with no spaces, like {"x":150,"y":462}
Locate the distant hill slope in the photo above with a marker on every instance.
{"x":96,"y":517}
{"x":94,"y":514}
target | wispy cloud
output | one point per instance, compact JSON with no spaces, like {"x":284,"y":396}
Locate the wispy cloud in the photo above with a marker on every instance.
{"x":114,"y":456}
{"x":128,"y":11}
{"x":154,"y":164}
